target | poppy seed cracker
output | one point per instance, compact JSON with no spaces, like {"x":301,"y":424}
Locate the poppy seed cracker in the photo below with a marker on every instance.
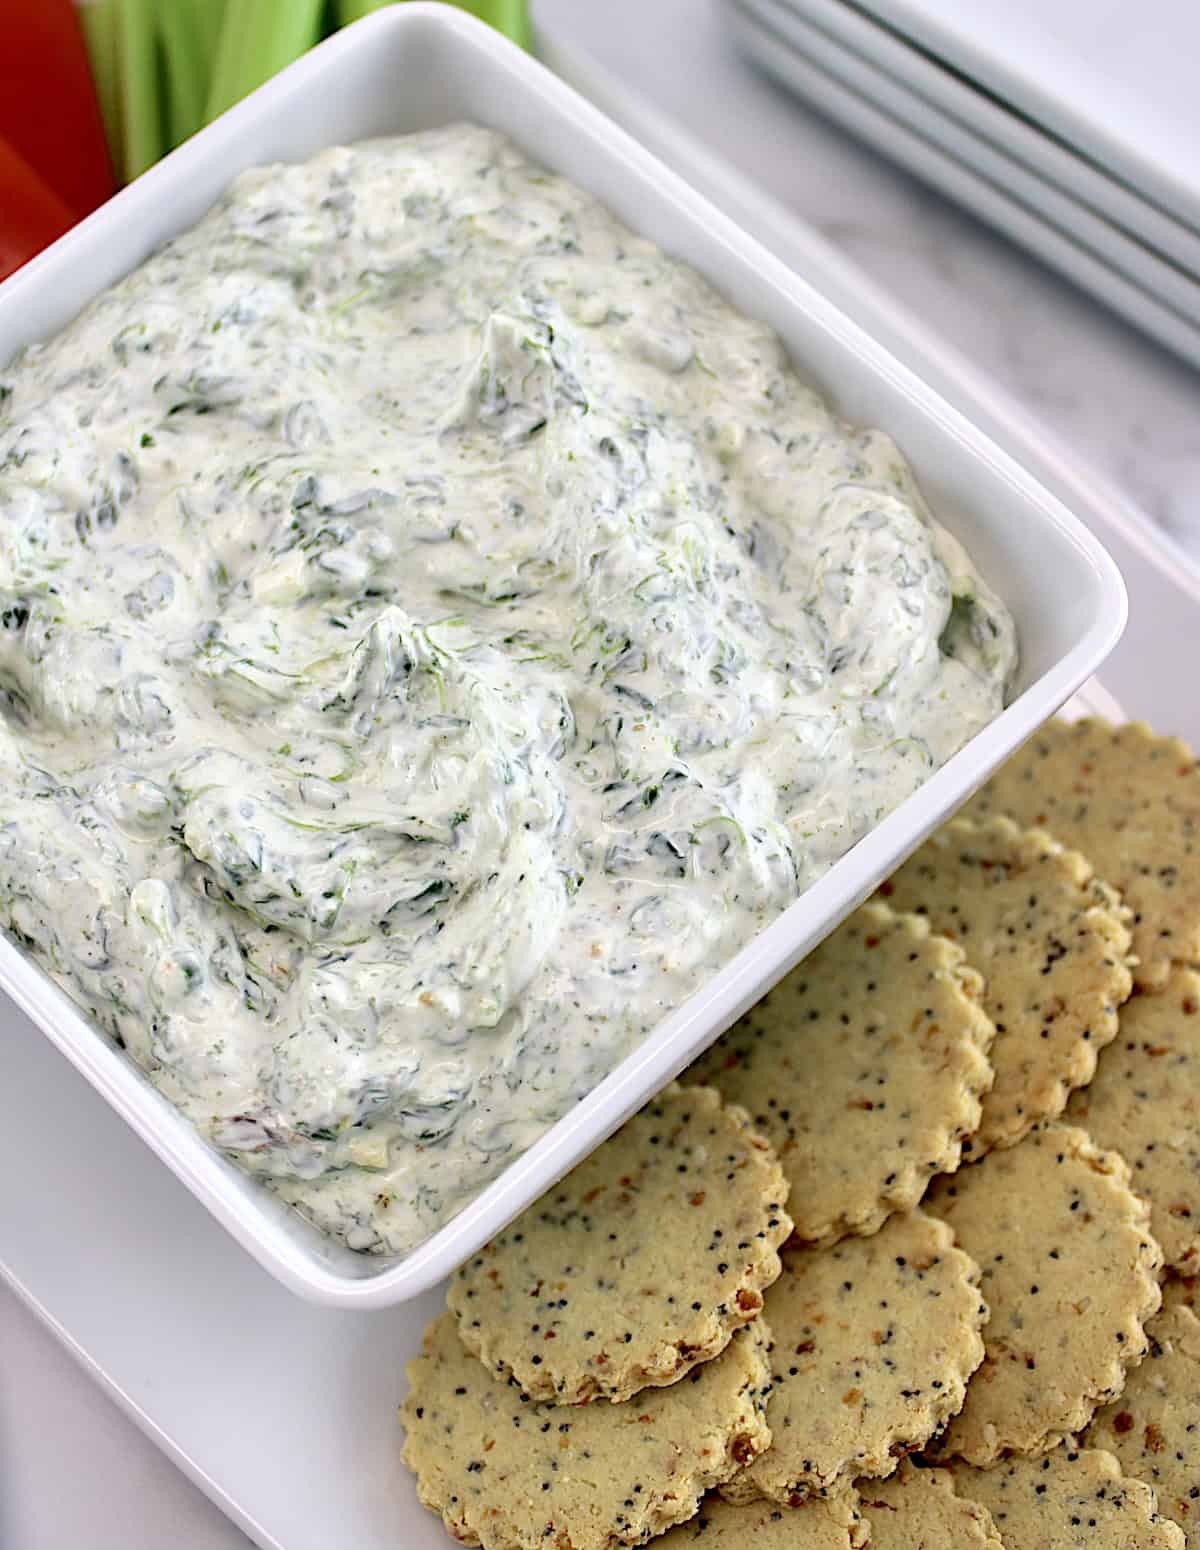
{"x":1154,"y":1428}
{"x":822,"y":1523}
{"x":509,"y":1473}
{"x":1070,"y":1275}
{"x":1052,"y":944}
{"x":919,"y":1509}
{"x":1181,"y":1292}
{"x":1131,"y":802}
{"x":639,"y":1265}
{"x":1072,"y":1499}
{"x":873,"y":1341}
{"x":864,"y":1067}
{"x":1145,"y":1103}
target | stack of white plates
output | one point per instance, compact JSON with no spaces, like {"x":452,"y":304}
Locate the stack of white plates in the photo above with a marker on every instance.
{"x":1071,"y":125}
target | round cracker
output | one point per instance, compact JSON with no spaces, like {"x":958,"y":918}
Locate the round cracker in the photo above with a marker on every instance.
{"x":873,"y":1341}
{"x":637,"y":1266}
{"x":1130,"y":802}
{"x":831,"y":1522}
{"x":1181,"y":1292}
{"x":864,"y":1067}
{"x":919,"y":1509}
{"x":1070,"y":1275}
{"x":1072,"y":1499}
{"x":1145,"y":1103}
{"x":1154,"y":1428}
{"x":509,"y":1473}
{"x":1052,"y":944}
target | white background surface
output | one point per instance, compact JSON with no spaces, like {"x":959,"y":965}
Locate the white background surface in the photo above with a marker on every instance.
{"x":73,"y":1471}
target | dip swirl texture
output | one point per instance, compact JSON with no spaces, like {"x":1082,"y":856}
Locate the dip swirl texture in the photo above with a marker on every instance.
{"x":436,"y":632}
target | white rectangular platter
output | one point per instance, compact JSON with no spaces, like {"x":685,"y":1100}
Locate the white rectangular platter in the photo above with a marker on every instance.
{"x":284,"y":1412}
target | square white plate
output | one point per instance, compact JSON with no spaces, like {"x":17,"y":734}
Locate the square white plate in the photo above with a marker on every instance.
{"x":413,"y":66}
{"x":818,"y":71}
{"x":1004,"y":127}
{"x":1117,"y":82}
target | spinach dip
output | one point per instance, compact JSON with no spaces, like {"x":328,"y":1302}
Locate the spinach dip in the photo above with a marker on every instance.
{"x":436,"y":633}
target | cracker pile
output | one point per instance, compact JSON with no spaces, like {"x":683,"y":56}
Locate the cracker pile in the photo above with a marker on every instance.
{"x":910,"y":1258}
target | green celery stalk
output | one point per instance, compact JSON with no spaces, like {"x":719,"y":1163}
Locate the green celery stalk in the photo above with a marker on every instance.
{"x":354,"y":10}
{"x":507,"y":16}
{"x":100,"y":23}
{"x":141,"y":112}
{"x":186,"y":80}
{"x":188,"y":31}
{"x":258,"y":38}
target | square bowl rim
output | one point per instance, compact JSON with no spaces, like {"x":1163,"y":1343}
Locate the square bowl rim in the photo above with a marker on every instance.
{"x":199,"y":1166}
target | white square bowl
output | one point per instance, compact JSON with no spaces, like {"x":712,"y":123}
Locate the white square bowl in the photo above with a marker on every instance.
{"x":417,"y":66}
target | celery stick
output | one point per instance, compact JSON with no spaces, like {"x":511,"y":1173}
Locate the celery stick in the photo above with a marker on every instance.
{"x":142,"y":140}
{"x":258,"y":38}
{"x":188,"y":30}
{"x":507,"y":16}
{"x":209,"y":14}
{"x":186,"y":76}
{"x":100,"y":23}
{"x":354,"y":10}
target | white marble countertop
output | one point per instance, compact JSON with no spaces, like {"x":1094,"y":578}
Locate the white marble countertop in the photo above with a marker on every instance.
{"x":73,"y":1471}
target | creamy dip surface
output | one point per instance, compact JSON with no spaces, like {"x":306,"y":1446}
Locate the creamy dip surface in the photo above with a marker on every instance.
{"x":436,"y":633}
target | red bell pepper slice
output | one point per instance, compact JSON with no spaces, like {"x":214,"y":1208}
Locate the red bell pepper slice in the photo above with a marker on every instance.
{"x":31,"y":215}
{"x":48,"y":108}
